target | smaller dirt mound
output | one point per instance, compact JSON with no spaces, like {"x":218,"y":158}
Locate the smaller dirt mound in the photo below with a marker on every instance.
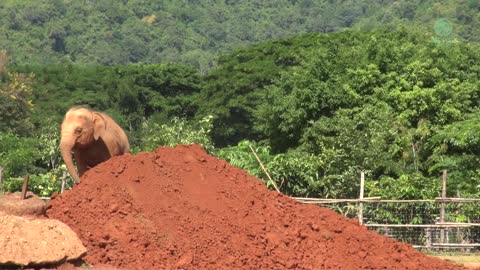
{"x":11,"y":204}
{"x":37,"y":242}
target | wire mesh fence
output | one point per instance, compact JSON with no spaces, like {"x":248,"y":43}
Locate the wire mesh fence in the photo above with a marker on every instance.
{"x":419,"y":222}
{"x":439,"y":224}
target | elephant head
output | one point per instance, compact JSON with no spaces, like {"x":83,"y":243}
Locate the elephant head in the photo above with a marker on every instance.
{"x":80,"y":128}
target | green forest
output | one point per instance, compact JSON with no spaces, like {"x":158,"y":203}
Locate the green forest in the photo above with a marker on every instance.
{"x":192,"y":32}
{"x":320,"y":89}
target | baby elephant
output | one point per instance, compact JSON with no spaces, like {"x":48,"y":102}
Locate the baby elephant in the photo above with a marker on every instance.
{"x":93,"y":137}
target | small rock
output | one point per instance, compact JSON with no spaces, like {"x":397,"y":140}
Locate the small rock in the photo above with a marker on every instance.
{"x":113,"y":208}
{"x":185,"y":260}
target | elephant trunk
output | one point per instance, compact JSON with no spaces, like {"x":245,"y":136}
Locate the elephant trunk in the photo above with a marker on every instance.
{"x":66,"y":150}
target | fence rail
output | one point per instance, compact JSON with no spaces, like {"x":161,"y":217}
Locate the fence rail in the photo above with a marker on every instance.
{"x":379,"y":200}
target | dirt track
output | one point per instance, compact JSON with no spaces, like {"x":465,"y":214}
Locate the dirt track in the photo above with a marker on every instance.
{"x":180,"y":208}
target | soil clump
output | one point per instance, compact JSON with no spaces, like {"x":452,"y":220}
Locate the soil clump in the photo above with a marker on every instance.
{"x":180,"y":208}
{"x":12,"y":204}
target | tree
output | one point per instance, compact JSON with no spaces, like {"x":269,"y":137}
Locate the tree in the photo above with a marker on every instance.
{"x":15,"y":100}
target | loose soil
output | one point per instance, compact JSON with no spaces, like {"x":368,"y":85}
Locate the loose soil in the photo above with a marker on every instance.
{"x":180,"y":208}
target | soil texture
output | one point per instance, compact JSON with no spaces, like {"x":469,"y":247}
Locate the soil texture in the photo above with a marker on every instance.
{"x":180,"y":208}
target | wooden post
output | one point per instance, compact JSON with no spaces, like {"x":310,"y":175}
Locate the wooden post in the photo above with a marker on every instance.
{"x":442,"y":206}
{"x":24,"y":188}
{"x":360,"y":204}
{"x":64,"y":177}
{"x":1,"y":179}
{"x":428,"y":238}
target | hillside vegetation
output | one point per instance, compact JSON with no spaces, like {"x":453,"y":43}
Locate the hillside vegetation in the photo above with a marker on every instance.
{"x":195,"y":32}
{"x":313,"y":86}
{"x":400,"y":105}
{"x":318,"y":108}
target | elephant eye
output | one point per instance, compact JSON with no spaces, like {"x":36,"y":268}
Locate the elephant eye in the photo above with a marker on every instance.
{"x":78,"y":130}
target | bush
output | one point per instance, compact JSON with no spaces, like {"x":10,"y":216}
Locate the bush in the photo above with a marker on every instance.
{"x":18,"y":155}
{"x":178,"y":131}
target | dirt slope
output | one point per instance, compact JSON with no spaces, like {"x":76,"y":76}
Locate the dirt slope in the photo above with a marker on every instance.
{"x":180,"y":208}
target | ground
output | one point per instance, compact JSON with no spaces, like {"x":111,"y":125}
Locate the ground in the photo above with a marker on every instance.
{"x":470,"y":261}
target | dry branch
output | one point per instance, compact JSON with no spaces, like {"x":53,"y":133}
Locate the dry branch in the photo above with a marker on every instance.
{"x":265,"y":170}
{"x":24,"y":187}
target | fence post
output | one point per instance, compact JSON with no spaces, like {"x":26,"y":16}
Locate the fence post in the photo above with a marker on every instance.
{"x":442,"y":206}
{"x":428,"y":238}
{"x":1,"y":179}
{"x":360,"y":204}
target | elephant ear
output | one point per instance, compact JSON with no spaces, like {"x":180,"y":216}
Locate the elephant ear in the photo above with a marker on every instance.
{"x":99,"y":125}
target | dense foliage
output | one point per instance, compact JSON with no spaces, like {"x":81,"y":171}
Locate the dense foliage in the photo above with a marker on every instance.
{"x":317,"y":108}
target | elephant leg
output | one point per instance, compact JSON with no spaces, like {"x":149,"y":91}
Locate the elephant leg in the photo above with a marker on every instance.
{"x":82,"y":168}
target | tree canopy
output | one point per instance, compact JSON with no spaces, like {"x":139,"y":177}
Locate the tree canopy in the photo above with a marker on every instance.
{"x":387,"y":102}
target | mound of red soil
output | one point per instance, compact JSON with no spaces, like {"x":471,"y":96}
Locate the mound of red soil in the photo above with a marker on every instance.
{"x":180,"y":208}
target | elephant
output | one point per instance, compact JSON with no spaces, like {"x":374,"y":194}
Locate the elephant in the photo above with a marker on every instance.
{"x":94,"y":137}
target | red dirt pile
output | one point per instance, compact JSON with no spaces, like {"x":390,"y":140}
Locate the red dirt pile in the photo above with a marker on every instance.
{"x":179,"y":208}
